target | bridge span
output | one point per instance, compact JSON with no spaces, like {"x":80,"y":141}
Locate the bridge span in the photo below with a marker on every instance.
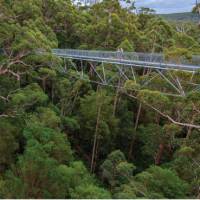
{"x":144,"y":60}
{"x":109,"y":68}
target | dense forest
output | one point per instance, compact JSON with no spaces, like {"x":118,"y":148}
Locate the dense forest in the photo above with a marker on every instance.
{"x":181,"y":17}
{"x":63,"y":137}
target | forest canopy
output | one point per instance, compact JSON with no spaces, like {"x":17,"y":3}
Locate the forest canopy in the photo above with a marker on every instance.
{"x":66,"y":137}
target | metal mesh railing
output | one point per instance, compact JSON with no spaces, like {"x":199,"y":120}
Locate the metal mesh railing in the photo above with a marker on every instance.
{"x":111,"y":55}
{"x":126,"y":57}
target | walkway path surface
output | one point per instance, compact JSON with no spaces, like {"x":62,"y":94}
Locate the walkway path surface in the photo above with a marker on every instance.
{"x":145,"y":60}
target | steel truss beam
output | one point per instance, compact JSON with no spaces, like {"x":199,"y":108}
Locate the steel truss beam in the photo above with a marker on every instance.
{"x":109,"y":75}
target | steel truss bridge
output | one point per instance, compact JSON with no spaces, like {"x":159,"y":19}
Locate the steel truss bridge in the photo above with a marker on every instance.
{"x":115,"y":68}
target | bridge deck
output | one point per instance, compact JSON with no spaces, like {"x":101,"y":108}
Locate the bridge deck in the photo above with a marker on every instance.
{"x":155,"y":61}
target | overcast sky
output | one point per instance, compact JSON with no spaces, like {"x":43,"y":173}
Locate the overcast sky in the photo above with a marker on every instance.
{"x":167,"y":6}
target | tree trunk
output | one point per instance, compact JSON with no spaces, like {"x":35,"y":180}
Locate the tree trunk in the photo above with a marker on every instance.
{"x":135,"y":128}
{"x":190,"y":128}
{"x":95,"y":138}
{"x":52,"y":93}
{"x":96,"y":154}
{"x":74,"y":101}
{"x":136,"y":125}
{"x":62,"y":107}
{"x":159,"y":154}
{"x":44,"y":84}
{"x":116,"y":99}
{"x":198,"y":196}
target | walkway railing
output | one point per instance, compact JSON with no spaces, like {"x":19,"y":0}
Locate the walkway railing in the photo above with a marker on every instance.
{"x":154,"y":60}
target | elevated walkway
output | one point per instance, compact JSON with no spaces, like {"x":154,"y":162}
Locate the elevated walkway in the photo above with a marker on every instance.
{"x":145,"y":60}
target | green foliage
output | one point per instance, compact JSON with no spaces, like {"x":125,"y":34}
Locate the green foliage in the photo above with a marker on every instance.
{"x":8,"y":143}
{"x":163,"y":182}
{"x":126,"y":46}
{"x":126,"y":192}
{"x":90,"y":104}
{"x":159,"y":35}
{"x":131,"y":85}
{"x":154,"y":182}
{"x":100,"y":31}
{"x":46,"y":72}
{"x":33,"y":176}
{"x":178,"y":54}
{"x":154,"y":98}
{"x":47,"y":117}
{"x":54,"y":143}
{"x":71,"y":124}
{"x":51,"y":122}
{"x":38,"y":174}
{"x":29,"y":96}
{"x":94,"y":105}
{"x":185,"y":41}
{"x":151,"y":136}
{"x":79,"y":183}
{"x":116,"y":170}
{"x":90,"y":192}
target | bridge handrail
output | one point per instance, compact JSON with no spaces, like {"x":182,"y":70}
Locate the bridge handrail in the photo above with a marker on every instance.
{"x":132,"y":56}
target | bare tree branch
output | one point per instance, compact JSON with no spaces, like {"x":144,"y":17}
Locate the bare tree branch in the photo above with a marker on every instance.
{"x":167,"y":116}
{"x":4,"y":115}
{"x":3,"y":98}
{"x":5,"y":71}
